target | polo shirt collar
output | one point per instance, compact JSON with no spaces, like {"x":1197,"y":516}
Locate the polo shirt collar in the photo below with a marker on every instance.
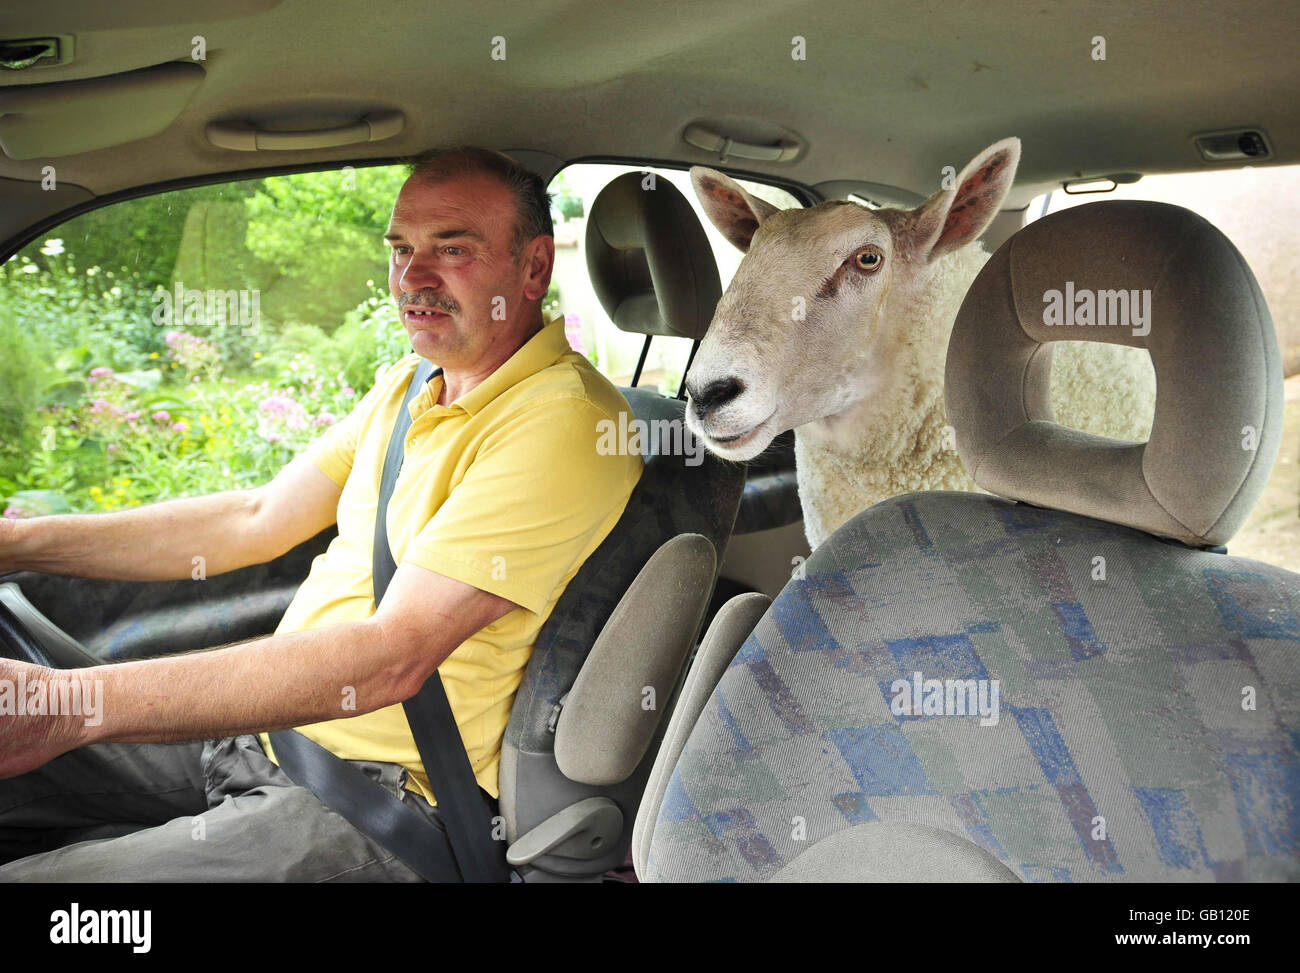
{"x":540,"y":351}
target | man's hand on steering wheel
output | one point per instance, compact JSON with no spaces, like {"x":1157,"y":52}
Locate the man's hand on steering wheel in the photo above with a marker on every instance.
{"x":29,"y":735}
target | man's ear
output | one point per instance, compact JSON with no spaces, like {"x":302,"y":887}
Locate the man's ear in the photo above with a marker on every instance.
{"x":952,"y":218}
{"x":733,"y":212}
{"x":538,"y":261}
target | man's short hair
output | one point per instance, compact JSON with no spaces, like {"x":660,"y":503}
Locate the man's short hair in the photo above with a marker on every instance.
{"x":532,"y":201}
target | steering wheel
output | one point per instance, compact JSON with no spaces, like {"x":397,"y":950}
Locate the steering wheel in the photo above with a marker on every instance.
{"x":16,"y":642}
{"x":26,"y":634}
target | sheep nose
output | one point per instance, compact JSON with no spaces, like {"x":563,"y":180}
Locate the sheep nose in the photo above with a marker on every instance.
{"x":715,"y":394}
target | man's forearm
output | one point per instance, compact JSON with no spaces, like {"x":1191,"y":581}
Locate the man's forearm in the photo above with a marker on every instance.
{"x":278,"y":682}
{"x":273,"y":683}
{"x":158,"y":542}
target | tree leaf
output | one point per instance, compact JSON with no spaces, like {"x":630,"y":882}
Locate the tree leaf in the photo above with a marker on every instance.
{"x":39,"y":503}
{"x":148,"y":379}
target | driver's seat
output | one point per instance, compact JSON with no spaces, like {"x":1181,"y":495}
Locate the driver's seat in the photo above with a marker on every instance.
{"x":592,"y":707}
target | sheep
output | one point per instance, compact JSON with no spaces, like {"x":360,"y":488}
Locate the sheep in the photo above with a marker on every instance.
{"x":836,"y":325}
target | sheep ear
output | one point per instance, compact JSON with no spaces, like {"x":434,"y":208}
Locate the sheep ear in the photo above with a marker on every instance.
{"x":952,"y":218}
{"x":734,"y":212}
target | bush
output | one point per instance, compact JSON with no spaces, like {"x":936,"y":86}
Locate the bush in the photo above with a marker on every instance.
{"x":103,"y":406}
{"x":20,"y":379}
{"x":370,"y":339}
{"x":62,"y":306}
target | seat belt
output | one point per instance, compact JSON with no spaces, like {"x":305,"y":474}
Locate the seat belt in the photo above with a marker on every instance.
{"x":465,"y":851}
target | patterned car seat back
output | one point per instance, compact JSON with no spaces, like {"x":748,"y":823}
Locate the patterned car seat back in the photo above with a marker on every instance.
{"x":1071,"y":681}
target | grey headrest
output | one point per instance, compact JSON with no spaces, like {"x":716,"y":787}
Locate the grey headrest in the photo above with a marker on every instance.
{"x":650,"y":263}
{"x":1218,"y":411}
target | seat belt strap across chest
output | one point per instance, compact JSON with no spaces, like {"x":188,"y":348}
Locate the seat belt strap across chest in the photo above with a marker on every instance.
{"x":466,"y":851}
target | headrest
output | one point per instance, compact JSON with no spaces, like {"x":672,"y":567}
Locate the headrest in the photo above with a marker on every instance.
{"x":1178,"y":288}
{"x":650,"y":263}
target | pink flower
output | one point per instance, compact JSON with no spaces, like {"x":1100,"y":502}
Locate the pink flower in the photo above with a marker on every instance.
{"x":161,"y":416}
{"x":131,"y":416}
{"x":14,"y":512}
{"x":573,"y":333}
{"x":171,"y":336}
{"x":279,"y":405}
{"x":100,"y":372}
{"x":181,"y":426}
{"x":112,"y":447}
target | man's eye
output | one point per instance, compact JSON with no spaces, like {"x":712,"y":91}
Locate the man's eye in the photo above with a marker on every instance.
{"x":455,"y":251}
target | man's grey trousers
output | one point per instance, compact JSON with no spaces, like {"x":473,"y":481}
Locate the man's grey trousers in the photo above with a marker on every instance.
{"x":206,"y":811}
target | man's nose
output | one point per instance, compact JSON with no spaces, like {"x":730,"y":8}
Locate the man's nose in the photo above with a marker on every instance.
{"x":420,"y":273}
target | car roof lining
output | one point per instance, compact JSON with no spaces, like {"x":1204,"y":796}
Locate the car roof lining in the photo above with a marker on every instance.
{"x":590,"y":81}
{"x":30,"y":219}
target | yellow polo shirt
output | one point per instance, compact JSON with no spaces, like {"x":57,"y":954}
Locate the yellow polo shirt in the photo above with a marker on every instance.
{"x":503,"y":489}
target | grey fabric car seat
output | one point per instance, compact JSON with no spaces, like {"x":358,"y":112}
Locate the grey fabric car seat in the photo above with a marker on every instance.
{"x":591,"y":708}
{"x":1147,"y":715}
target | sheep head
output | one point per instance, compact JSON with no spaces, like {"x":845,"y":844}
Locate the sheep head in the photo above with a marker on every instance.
{"x":809,"y":325}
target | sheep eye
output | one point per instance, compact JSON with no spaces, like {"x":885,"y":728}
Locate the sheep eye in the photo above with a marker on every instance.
{"x":869,"y":259}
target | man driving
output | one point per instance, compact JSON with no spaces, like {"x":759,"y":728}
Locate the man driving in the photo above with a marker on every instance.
{"x":501,"y":498}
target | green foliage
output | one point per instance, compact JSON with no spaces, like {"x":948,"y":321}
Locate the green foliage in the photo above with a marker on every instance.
{"x":20,"y":375}
{"x":64,"y":306}
{"x":371,"y":338}
{"x":110,"y":397}
{"x":91,"y":438}
{"x":551,"y":303}
{"x":323,"y":233}
{"x":212,"y":257}
{"x":132,"y":438}
{"x":137,"y":240}
{"x":570,"y":207}
{"x":298,"y":221}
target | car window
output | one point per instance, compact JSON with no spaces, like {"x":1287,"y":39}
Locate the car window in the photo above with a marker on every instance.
{"x":1258,"y":209}
{"x":589,"y":329}
{"x":191,"y":341}
{"x":197,"y":340}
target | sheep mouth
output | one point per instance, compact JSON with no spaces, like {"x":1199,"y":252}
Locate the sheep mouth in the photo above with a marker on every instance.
{"x":734,"y":440}
{"x":740,"y":440}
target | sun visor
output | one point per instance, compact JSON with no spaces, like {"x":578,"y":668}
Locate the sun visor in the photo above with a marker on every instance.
{"x":46,"y":121}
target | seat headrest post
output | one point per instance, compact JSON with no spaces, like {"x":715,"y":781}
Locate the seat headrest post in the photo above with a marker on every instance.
{"x":640,"y":362}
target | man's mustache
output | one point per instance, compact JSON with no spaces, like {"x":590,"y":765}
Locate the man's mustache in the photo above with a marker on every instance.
{"x":430,"y":299}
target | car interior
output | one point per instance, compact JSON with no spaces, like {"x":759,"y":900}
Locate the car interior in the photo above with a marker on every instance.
{"x":1123,"y":749}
